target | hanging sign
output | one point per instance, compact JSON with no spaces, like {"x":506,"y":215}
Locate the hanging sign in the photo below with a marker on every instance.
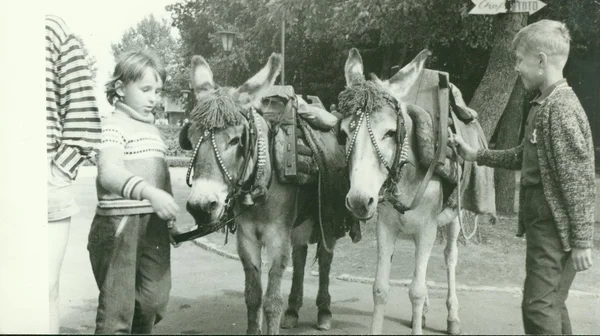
{"x":493,"y":7}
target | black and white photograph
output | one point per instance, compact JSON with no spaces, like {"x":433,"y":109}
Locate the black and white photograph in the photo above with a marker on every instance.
{"x":310,"y":167}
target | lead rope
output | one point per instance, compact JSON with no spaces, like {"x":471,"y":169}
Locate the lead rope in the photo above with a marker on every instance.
{"x":458,"y":197}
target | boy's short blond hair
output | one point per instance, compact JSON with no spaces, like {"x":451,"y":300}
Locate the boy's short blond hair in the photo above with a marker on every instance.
{"x":130,"y":67}
{"x":547,"y":36}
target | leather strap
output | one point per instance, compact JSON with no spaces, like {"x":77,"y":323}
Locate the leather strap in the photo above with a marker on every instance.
{"x":438,"y":158}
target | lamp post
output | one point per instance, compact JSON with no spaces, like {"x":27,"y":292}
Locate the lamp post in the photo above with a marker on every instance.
{"x":227,"y":38}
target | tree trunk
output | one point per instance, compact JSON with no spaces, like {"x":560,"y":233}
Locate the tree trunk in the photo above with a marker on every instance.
{"x":508,"y":137}
{"x":493,"y":93}
{"x":386,"y":62}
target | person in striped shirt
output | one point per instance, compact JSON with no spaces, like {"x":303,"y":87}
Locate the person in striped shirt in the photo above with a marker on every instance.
{"x":73,"y":130}
{"x":129,"y":238}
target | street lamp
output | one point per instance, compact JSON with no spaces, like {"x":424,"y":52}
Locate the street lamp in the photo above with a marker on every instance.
{"x":227,"y":43}
{"x":227,"y":40}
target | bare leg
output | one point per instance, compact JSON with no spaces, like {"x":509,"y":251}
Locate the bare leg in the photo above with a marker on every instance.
{"x":418,"y":288}
{"x":451,"y":256}
{"x":323,"y":297}
{"x":249,"y":252}
{"x":58,"y":236}
{"x":290,"y":319}
{"x":386,"y":239}
{"x":278,"y":250}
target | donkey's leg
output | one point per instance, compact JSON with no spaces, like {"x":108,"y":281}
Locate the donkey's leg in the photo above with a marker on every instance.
{"x":249,"y":251}
{"x":451,"y":256}
{"x":323,"y":298}
{"x":424,"y":240}
{"x":278,"y":249}
{"x":386,"y":240}
{"x":290,"y":319}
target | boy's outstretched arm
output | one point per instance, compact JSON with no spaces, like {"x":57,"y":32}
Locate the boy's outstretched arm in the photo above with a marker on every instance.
{"x":507,"y":159}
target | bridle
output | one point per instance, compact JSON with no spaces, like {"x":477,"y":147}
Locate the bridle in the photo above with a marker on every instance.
{"x":254,"y":139}
{"x":400,"y":159}
{"x":255,"y":146}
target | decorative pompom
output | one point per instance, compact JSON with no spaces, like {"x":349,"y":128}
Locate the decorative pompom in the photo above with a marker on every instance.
{"x":364,"y":96}
{"x":216,"y":110}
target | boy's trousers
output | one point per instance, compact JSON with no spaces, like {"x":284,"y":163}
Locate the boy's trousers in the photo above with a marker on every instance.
{"x":549,"y":270}
{"x":130,"y":258}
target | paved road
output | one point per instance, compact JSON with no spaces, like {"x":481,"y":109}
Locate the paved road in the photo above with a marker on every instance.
{"x":207,"y":294}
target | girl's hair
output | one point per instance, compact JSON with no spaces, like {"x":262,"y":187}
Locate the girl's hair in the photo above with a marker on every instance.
{"x":548,"y":36}
{"x":130,"y":67}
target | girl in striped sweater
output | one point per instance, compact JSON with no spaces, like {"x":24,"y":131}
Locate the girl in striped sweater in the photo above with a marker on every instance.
{"x":129,"y":237}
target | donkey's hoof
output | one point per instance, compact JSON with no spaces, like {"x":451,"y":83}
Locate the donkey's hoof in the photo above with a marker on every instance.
{"x":289,"y":321}
{"x":253,"y":331}
{"x":454,"y":327}
{"x":324,"y":322}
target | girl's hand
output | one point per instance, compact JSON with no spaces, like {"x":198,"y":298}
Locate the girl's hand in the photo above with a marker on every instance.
{"x":162,"y":202}
{"x":173,"y":231}
{"x":464,"y":150}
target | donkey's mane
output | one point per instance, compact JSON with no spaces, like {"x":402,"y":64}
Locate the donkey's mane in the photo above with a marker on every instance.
{"x":364,"y":95}
{"x":217,"y":110}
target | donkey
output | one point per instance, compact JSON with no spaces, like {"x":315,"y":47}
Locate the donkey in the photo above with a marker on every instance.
{"x":222,"y":137}
{"x":388,"y":135}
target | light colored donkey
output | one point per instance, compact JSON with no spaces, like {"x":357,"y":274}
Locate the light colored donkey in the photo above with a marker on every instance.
{"x":217,"y":167}
{"x":373,"y":143}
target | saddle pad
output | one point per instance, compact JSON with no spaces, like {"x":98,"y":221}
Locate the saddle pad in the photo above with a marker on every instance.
{"x":307,"y":172}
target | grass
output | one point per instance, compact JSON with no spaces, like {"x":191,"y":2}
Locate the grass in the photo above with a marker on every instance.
{"x":496,"y":258}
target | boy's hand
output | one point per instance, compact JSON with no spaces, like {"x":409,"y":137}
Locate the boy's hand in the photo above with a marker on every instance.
{"x":582,"y":258}
{"x":464,"y":150}
{"x":162,"y":202}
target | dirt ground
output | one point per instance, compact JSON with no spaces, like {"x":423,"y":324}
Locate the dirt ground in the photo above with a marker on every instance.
{"x":207,"y":295}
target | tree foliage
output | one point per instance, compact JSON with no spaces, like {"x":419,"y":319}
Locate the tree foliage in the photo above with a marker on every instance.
{"x":156,"y":36}
{"x":91,"y":59}
{"x":387,"y":32}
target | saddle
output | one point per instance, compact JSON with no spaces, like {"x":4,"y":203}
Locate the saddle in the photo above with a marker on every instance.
{"x":305,"y":152}
{"x":436,"y":106}
{"x":285,"y":111}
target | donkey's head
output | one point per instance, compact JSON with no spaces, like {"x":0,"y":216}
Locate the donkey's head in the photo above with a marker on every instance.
{"x":374,"y":128}
{"x":220,"y":135}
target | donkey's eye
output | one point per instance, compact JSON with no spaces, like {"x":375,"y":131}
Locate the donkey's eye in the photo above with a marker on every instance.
{"x":234,"y":142}
{"x":390,"y":134}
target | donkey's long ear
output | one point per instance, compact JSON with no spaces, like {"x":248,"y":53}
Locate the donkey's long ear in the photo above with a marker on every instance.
{"x":353,"y":70}
{"x":402,"y":81}
{"x":201,"y":76}
{"x":184,"y":140}
{"x":255,"y":88}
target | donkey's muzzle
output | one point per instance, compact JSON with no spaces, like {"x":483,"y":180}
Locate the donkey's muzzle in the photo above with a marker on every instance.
{"x":361,"y":207}
{"x":203,"y":212}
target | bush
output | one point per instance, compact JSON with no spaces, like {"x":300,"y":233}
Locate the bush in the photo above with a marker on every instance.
{"x":171,"y":135}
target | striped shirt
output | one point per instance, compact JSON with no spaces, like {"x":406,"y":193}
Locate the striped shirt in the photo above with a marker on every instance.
{"x":72,"y":119}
